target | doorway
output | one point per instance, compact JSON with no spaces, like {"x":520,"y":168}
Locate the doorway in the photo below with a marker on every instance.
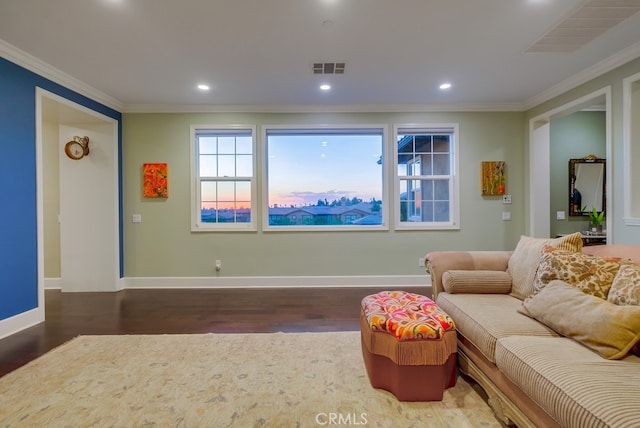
{"x":78,"y":204}
{"x":539,"y":160}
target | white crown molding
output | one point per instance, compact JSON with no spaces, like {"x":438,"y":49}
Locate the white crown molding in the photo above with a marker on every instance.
{"x":616,"y":60}
{"x":387,"y":281}
{"x":351,"y":108}
{"x":31,"y":63}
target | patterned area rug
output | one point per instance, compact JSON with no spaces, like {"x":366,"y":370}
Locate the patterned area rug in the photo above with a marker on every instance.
{"x":219,"y":380}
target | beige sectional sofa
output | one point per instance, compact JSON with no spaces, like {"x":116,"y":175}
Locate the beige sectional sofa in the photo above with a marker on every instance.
{"x":544,"y":355}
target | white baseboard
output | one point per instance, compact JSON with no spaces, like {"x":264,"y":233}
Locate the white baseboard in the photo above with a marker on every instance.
{"x":390,"y":281}
{"x":386,"y":281}
{"x":21,"y":321}
{"x":56,"y":284}
{"x":53,"y":283}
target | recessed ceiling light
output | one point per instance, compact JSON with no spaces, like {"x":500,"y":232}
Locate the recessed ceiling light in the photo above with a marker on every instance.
{"x":203,"y":87}
{"x":445,"y":85}
{"x":325,"y":87}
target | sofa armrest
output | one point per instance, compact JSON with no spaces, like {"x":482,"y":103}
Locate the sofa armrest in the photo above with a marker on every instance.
{"x":438,"y":262}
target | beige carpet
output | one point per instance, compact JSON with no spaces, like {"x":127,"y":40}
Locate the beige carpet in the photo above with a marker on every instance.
{"x":218,"y":380}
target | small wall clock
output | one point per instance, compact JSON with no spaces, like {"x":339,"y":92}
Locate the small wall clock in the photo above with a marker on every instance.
{"x":77,"y":148}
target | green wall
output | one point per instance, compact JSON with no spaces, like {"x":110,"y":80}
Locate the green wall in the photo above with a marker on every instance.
{"x":163,"y":245}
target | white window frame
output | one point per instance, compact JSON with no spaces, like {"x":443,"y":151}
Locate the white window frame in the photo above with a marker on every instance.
{"x":197,"y":225}
{"x":631,"y":150}
{"x":454,"y":183}
{"x":322,"y":228}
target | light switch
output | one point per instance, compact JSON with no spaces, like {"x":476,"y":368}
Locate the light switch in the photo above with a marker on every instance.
{"x":506,"y":215}
{"x":136,"y":218}
{"x":559,"y":215}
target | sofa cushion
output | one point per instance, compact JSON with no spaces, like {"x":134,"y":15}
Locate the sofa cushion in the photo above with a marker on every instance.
{"x":608,"y":329}
{"x":484,"y":318}
{"x":591,"y":274}
{"x":577,"y":387}
{"x":625,"y":289}
{"x":523,"y":263}
{"x":476,"y":281}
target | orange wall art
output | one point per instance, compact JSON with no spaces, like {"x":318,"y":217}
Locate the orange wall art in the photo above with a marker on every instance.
{"x":155,"y":178}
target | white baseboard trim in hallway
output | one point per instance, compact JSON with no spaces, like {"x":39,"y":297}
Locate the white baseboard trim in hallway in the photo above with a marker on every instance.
{"x":382,"y":281}
{"x":21,"y":321}
{"x":390,"y":281}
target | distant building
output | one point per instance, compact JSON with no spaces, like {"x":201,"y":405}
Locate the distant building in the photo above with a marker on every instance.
{"x":364,"y":213}
{"x":321,"y":215}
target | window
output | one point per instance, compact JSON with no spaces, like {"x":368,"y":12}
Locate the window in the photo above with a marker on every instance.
{"x":223,"y":184}
{"x":323,"y":178}
{"x":631,"y":147}
{"x":426,"y":182}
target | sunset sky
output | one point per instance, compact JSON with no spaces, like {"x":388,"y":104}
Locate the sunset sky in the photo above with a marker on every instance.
{"x":304,"y":169}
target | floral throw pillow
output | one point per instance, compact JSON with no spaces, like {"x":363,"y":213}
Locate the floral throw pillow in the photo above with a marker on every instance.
{"x":591,"y":274}
{"x":625,"y":289}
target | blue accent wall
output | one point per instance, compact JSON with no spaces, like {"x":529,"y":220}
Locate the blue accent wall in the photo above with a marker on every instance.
{"x":18,"y":200}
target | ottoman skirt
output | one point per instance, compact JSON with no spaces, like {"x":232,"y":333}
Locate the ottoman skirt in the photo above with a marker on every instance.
{"x":409,"y":382}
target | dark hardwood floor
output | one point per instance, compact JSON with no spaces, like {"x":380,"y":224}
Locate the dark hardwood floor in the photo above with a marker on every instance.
{"x":185,"y":311}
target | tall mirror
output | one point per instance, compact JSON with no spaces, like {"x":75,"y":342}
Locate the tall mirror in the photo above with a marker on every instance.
{"x":586,"y":185}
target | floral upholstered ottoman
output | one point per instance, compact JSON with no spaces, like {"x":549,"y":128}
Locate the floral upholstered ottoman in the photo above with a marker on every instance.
{"x":408,"y":344}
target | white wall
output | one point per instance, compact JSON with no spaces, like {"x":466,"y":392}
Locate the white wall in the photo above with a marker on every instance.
{"x":88,"y":219}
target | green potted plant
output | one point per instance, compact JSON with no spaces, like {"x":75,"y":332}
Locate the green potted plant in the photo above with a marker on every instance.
{"x":596,"y":219}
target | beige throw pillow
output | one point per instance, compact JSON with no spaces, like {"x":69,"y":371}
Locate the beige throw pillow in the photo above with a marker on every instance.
{"x":625,"y":289}
{"x":476,"y":281}
{"x":608,"y":329}
{"x":523,"y":263}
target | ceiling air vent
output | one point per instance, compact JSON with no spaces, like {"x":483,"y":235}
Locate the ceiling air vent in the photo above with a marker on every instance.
{"x":328,"y":67}
{"x":586,"y":23}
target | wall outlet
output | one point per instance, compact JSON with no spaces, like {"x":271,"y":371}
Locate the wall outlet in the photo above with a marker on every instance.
{"x":136,"y":218}
{"x":506,"y":199}
{"x":218,"y":265}
{"x":559,"y":215}
{"x":421,"y":261}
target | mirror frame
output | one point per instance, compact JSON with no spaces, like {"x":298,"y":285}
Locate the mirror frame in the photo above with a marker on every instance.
{"x":575,"y":210}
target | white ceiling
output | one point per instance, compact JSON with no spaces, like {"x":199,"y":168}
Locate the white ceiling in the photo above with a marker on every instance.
{"x":149,"y":55}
